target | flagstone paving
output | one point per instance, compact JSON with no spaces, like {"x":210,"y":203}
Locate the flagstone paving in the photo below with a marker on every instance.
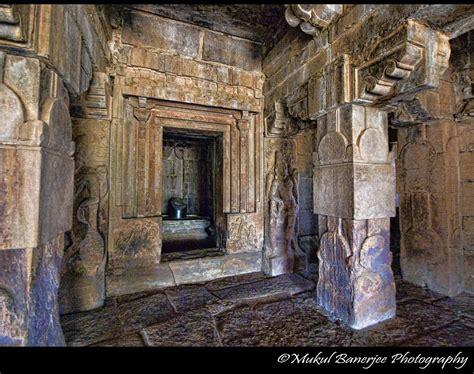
{"x":255,"y":310}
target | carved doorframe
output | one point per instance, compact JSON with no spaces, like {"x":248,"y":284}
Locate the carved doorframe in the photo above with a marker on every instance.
{"x":136,"y":153}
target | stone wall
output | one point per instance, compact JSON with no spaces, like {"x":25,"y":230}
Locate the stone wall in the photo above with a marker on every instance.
{"x":174,"y":75}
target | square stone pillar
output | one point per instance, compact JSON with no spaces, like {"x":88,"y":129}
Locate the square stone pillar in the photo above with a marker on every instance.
{"x":354,"y":194}
{"x":36,"y":187}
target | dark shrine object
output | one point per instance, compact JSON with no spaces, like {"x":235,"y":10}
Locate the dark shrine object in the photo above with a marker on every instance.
{"x":177,"y":208}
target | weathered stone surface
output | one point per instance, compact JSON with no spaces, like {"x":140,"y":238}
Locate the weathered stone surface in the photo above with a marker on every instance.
{"x":282,"y":253}
{"x":140,"y":313}
{"x":91,"y":327}
{"x":462,"y":304}
{"x":236,"y":280}
{"x":362,"y":291}
{"x":204,"y":269}
{"x":187,"y":330}
{"x":186,"y":298}
{"x":164,"y":34}
{"x":290,"y":321}
{"x":231,"y":51}
{"x":459,"y":333}
{"x":277,"y":287}
{"x":308,"y":137}
{"x":242,"y":327}
{"x":429,"y":194}
{"x":44,"y":327}
{"x":132,"y":340}
{"x":414,"y":318}
{"x":121,"y":282}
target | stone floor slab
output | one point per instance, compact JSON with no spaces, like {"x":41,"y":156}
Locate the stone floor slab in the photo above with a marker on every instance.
{"x":132,"y":340}
{"x":86,"y":328}
{"x":185,"y":298}
{"x":187,"y":330}
{"x":459,"y":333}
{"x":237,"y":280}
{"x":277,"y":287}
{"x":255,"y":310}
{"x":144,"y":312}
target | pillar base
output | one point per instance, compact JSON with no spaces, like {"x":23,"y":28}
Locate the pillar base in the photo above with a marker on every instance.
{"x":356,"y":283}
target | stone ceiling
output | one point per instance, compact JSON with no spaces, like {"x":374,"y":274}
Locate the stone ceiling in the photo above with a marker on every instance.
{"x":257,"y":22}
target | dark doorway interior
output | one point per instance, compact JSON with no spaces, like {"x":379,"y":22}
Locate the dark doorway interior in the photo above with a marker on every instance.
{"x":189,"y":175}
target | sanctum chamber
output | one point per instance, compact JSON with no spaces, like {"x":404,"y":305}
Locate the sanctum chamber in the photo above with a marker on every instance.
{"x":236,"y":174}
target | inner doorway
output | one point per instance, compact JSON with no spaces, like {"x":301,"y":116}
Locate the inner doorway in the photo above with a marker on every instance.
{"x":190,"y":180}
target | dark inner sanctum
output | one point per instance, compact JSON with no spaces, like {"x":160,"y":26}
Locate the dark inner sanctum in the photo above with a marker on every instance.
{"x":189,"y":165}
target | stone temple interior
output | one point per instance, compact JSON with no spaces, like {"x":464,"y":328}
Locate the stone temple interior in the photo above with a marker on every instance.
{"x":236,"y":175}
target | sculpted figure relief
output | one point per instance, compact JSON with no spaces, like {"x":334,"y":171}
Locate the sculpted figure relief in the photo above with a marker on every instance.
{"x":283,"y":254}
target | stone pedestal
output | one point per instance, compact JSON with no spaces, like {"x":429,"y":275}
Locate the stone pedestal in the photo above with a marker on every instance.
{"x":354,"y":194}
{"x":190,"y":228}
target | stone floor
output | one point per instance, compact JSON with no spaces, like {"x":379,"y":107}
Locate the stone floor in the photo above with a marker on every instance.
{"x":254,"y":310}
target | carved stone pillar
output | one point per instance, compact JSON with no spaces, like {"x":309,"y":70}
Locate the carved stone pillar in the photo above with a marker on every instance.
{"x":83,"y":267}
{"x":36,"y":171}
{"x":354,"y":179}
{"x":428,"y":187}
{"x":354,"y":194}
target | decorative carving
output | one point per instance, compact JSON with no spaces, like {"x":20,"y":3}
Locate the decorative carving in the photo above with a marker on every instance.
{"x":243,"y":235}
{"x":97,"y":101}
{"x":297,"y":103}
{"x":430,"y":219}
{"x":376,"y":79}
{"x":13,"y":22}
{"x":463,"y":57}
{"x":139,"y":242}
{"x":141,"y":160}
{"x":56,"y":114}
{"x":312,"y":18}
{"x":278,"y":123}
{"x":282,"y":253}
{"x":356,"y":283}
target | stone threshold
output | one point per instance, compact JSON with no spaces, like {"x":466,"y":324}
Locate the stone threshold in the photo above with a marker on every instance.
{"x":177,"y":272}
{"x":192,"y":254}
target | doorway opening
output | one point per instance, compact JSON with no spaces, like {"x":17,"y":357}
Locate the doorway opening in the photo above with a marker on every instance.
{"x":190,"y":178}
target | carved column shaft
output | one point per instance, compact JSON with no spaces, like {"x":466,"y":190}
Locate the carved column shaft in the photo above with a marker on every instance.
{"x":83,"y":267}
{"x":354,"y":194}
